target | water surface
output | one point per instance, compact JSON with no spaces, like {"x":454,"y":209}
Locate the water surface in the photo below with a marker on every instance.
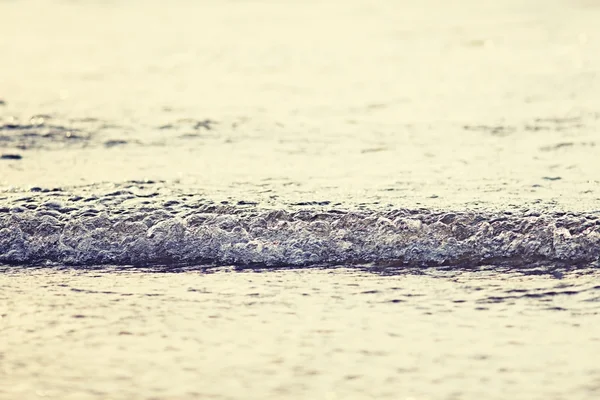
{"x":250,"y":199}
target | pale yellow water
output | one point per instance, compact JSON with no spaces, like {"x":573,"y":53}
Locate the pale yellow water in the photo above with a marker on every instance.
{"x":479,"y":107}
{"x":435,"y":103}
{"x":327,"y":334}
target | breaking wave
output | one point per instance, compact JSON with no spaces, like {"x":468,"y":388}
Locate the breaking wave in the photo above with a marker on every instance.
{"x":134,"y":224}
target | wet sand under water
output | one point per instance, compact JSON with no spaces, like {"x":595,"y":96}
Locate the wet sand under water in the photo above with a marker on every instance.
{"x":429,"y":170}
{"x":298,"y":333}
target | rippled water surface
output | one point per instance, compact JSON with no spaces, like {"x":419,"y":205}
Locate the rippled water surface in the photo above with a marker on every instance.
{"x":335,"y":333}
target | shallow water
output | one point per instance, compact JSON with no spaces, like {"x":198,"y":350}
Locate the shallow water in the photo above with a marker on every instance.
{"x":249,"y":199}
{"x":298,"y":333}
{"x":479,"y":104}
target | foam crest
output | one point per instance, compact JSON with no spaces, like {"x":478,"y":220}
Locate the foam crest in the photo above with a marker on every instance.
{"x":124,"y":228}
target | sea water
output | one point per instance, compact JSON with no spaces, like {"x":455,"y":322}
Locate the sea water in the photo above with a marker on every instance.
{"x":253,"y":199}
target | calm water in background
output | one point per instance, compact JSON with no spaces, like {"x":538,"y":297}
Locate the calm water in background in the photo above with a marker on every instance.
{"x":340,"y":200}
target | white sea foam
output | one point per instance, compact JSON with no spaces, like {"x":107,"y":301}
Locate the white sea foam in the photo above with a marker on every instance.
{"x":122,"y":228}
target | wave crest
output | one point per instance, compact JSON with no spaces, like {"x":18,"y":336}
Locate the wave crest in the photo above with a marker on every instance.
{"x":70,"y":229}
